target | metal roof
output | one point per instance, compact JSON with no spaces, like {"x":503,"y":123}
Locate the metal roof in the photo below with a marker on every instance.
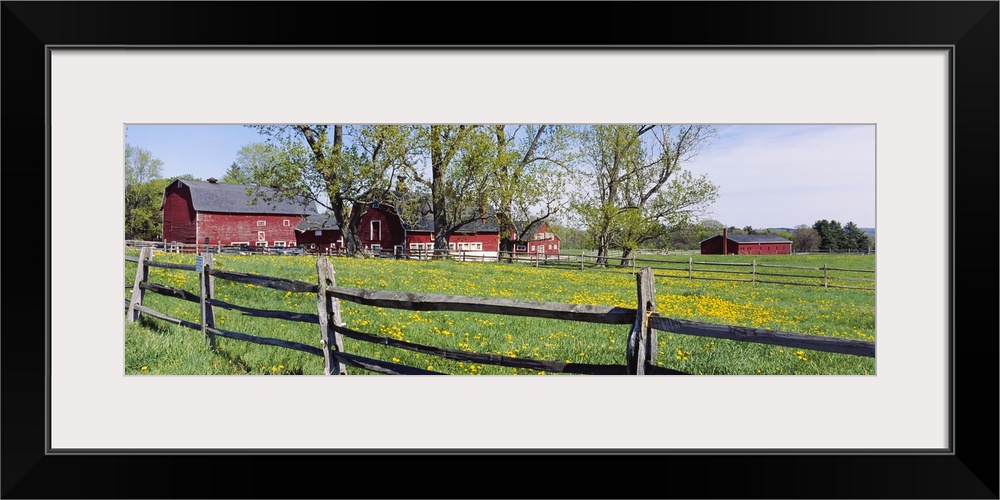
{"x":244,"y":199}
{"x":319,"y":222}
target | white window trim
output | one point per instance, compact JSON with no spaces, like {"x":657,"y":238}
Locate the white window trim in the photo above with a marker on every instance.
{"x":261,"y":244}
{"x":277,"y":243}
{"x":371,"y":229}
{"x":236,"y":243}
{"x":261,"y":223}
{"x":376,"y":247}
{"x":261,"y":236}
{"x":286,"y":223}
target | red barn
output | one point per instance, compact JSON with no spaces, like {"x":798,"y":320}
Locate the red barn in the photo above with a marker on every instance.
{"x":381,"y":229}
{"x":536,"y":238}
{"x":745,"y":244}
{"x":218,"y":213}
{"x":320,"y":233}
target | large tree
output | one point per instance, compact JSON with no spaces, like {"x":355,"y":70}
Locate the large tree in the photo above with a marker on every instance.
{"x":315,"y":163}
{"x":633,"y":186}
{"x":855,"y":238}
{"x":805,"y":239}
{"x":251,"y":158}
{"x":527,"y":175}
{"x":142,"y":194}
{"x":832,"y":237}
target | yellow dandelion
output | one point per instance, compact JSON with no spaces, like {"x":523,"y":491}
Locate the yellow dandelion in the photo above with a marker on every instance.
{"x":144,"y":368}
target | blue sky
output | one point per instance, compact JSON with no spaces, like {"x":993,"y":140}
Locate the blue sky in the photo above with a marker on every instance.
{"x":768,"y":175}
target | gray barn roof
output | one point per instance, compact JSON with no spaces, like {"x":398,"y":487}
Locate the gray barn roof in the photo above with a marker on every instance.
{"x":233,"y":198}
{"x":318,"y":222}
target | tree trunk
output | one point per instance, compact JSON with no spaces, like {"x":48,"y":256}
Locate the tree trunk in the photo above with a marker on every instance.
{"x":352,"y":243}
{"x":602,"y":252}
{"x":437,"y":192}
{"x":626,"y":252}
{"x":506,"y":247}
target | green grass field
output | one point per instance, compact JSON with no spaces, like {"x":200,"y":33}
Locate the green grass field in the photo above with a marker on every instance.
{"x":157,"y":347}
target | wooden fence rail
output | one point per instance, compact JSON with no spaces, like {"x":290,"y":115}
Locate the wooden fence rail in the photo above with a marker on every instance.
{"x":690,"y":269}
{"x":641,"y":344}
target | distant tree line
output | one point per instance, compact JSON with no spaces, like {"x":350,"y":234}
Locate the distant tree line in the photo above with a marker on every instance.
{"x":830,"y":236}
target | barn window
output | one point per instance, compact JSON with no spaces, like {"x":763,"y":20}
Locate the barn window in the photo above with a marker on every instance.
{"x":280,"y":244}
{"x":261,"y":223}
{"x":260,"y":236}
{"x":286,"y":223}
{"x":520,"y":248}
{"x":416,"y":246}
{"x":451,"y":246}
{"x":532,"y":248}
{"x":376,"y":248}
{"x":477,"y":246}
{"x":318,"y":233}
{"x":376,"y":228}
{"x":261,"y":243}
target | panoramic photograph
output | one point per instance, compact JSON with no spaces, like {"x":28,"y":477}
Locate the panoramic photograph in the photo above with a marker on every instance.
{"x":499,"y":249}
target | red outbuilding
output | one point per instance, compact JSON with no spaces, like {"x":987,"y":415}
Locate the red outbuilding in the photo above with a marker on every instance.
{"x":320,"y":233}
{"x":535,"y":239}
{"x":230,"y":214}
{"x":479,"y":238}
{"x":745,"y":244}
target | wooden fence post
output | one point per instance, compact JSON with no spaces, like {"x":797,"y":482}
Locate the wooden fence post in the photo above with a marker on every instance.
{"x":206,"y":283}
{"x":825,"y":276}
{"x":754,"y":278}
{"x":690,"y":268}
{"x":581,"y":259}
{"x":328,"y":306}
{"x":141,"y":276}
{"x":641,"y":346}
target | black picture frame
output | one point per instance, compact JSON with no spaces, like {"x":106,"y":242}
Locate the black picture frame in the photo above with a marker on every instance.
{"x":970,"y":29}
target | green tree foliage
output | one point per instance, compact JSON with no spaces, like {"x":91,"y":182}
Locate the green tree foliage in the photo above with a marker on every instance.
{"x":250,"y":159}
{"x":856,"y":238}
{"x":527,"y":174}
{"x":633,"y":186}
{"x":837,"y":238}
{"x":570,"y":237}
{"x":143,"y":194}
{"x":313,"y":162}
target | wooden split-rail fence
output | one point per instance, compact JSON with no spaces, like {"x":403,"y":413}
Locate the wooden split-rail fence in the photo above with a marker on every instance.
{"x":640,"y":352}
{"x":745,"y":272}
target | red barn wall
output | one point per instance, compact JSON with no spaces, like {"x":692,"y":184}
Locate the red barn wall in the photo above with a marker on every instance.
{"x":490,"y":241}
{"x":765,"y":249}
{"x":327,"y":239}
{"x":712,"y":246}
{"x":391,"y":229}
{"x":179,"y":216}
{"x":229,"y":228}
